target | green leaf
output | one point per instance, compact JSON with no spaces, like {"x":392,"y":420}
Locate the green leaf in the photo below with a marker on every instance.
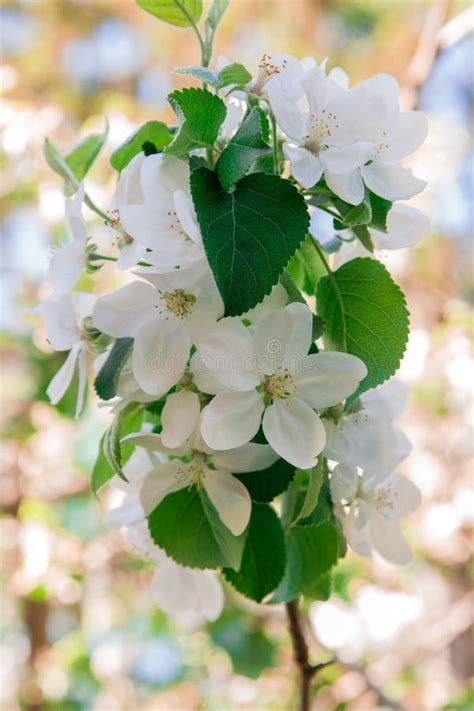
{"x":264,"y":558}
{"x":82,"y":156}
{"x":321,"y":510}
{"x":181,"y":13}
{"x":57,"y":163}
{"x":107,"y":378}
{"x":353,"y":215}
{"x":200,"y":116}
{"x":204,"y":74}
{"x":306,"y":267}
{"x":250,"y":651}
{"x":249,"y":234}
{"x":244,"y":147}
{"x":264,"y":485}
{"x":102,"y":471}
{"x":363,"y":235}
{"x":128,"y":419}
{"x":234,"y":74}
{"x":311,"y":552}
{"x":156,"y":133}
{"x":380,"y":210}
{"x":215,"y":14}
{"x":366,"y":315}
{"x":322,"y":588}
{"x":315,"y":480}
{"x":186,"y":525}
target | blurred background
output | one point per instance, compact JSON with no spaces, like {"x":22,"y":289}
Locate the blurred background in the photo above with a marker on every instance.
{"x":78,"y":628}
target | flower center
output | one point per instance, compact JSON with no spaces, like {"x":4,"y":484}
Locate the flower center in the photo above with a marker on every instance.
{"x":281,"y":385}
{"x":320,"y":128}
{"x":266,"y":70}
{"x":178,"y":302}
{"x":382,"y":500}
{"x":193,"y":473}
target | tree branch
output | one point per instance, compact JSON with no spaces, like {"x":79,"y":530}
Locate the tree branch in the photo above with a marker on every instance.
{"x":301,"y":654}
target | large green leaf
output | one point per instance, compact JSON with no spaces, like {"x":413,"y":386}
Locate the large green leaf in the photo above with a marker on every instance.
{"x":311,"y":552}
{"x":306,"y":267}
{"x":82,"y":156}
{"x":186,"y":525}
{"x":264,"y":485}
{"x":249,"y":234}
{"x":244,"y":147}
{"x":200,"y":115}
{"x":264,"y":558}
{"x":181,"y":13}
{"x":107,"y":378}
{"x":366,"y":315}
{"x":154,"y":133}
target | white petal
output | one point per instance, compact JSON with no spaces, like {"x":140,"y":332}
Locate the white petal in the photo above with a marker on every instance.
{"x":82,"y":381}
{"x":160,"y":354}
{"x":391,"y":182}
{"x":359,"y":540}
{"x":74,"y":218}
{"x":124,"y":311}
{"x":230,"y":498}
{"x":410,"y":131}
{"x":347,"y":186}
{"x":343,"y":160}
{"x":129,"y":191}
{"x":59,"y":317}
{"x":252,"y":457}
{"x":276,"y":299}
{"x":158,"y":483}
{"x":344,"y":483}
{"x":324,"y":379}
{"x":207,"y":309}
{"x":151,"y":442}
{"x":306,"y":168}
{"x":187,"y":216}
{"x":165,"y":172}
{"x":66,"y":265}
{"x":130,"y":255}
{"x":283,"y":338}
{"x":151,"y":227}
{"x":63,"y":378}
{"x":83,"y":304}
{"x":407,"y":496}
{"x":180,"y":417}
{"x":338,"y":75}
{"x":295,"y":431}
{"x":289,"y":117}
{"x":205,"y":380}
{"x":388,"y":541}
{"x":338,"y":445}
{"x":231,"y":419}
{"x":406,"y":226}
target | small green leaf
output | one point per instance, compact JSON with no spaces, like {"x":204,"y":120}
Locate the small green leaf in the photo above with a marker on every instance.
{"x":215,"y":13}
{"x":204,"y":74}
{"x":186,"y":525}
{"x":102,"y":471}
{"x":155,"y":133}
{"x":249,"y":234}
{"x":363,"y":235}
{"x":321,"y":510}
{"x":82,"y":156}
{"x":57,"y":163}
{"x":264,"y":558}
{"x":244,"y":147}
{"x":315,"y":480}
{"x":128,"y":419}
{"x":107,"y":378}
{"x":200,"y":116}
{"x":366,"y":315}
{"x":311,"y":552}
{"x":264,"y":485}
{"x":234,"y":74}
{"x":181,"y":13}
{"x":306,"y":267}
{"x":380,"y":210}
{"x":353,"y":215}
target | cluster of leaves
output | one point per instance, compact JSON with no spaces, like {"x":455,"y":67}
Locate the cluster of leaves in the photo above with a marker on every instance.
{"x":254,"y":226}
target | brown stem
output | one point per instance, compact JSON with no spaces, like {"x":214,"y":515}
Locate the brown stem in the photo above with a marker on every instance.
{"x":301,"y":654}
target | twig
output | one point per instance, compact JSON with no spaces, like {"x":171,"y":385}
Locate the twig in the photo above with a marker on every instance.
{"x":301,"y":654}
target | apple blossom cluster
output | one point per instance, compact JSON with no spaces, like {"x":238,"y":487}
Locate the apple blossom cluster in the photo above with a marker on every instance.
{"x":244,"y":356}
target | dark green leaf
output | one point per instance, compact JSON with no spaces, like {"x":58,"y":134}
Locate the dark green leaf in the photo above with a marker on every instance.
{"x":186,"y":525}
{"x":264,"y":485}
{"x":306,"y":267}
{"x":128,"y":419}
{"x":250,"y":651}
{"x":311,"y":552}
{"x":82,"y":156}
{"x":353,"y":215}
{"x":249,"y":234}
{"x":380,"y":210}
{"x":244,"y":147}
{"x":366,"y":315}
{"x":200,"y":116}
{"x":263,"y":561}
{"x":107,"y":378}
{"x":315,"y":480}
{"x":155,"y":133}
{"x":322,"y":588}
{"x":181,"y":13}
{"x":102,"y":470}
{"x":363,"y":235}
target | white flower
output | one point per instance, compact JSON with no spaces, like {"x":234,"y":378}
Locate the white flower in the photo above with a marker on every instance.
{"x":370,"y":507}
{"x":208,"y":469}
{"x":128,"y":192}
{"x":367,"y":438}
{"x":67,"y":263}
{"x":397,"y":134}
{"x":270,"y":374}
{"x":63,"y":316}
{"x":164,"y":323}
{"x":324,"y":128}
{"x":158,"y":213}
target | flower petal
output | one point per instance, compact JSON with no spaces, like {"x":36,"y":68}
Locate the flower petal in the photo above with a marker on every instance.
{"x":289,"y":117}
{"x":66,"y":265}
{"x":180,"y":417}
{"x":407,"y":496}
{"x":186,"y":215}
{"x":82,"y":381}
{"x":158,"y":483}
{"x":306,"y":168}
{"x":388,"y":541}
{"x":295,"y":431}
{"x":344,"y":483}
{"x":231,"y":419}
{"x":160,"y":354}
{"x":230,"y":498}
{"x":124,"y":311}
{"x":60,"y":320}
{"x":410,"y":131}
{"x":338,"y":444}
{"x":63,"y":378}
{"x":348,"y":186}
{"x":406,"y":226}
{"x":324,"y":379}
{"x":251,"y":457}
{"x":391,"y":182}
{"x":283,"y":338}
{"x":343,"y":160}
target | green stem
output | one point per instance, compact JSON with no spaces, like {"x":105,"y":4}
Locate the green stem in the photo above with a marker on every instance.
{"x":204,"y":58}
{"x":96,"y":209}
{"x":337,"y":291}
